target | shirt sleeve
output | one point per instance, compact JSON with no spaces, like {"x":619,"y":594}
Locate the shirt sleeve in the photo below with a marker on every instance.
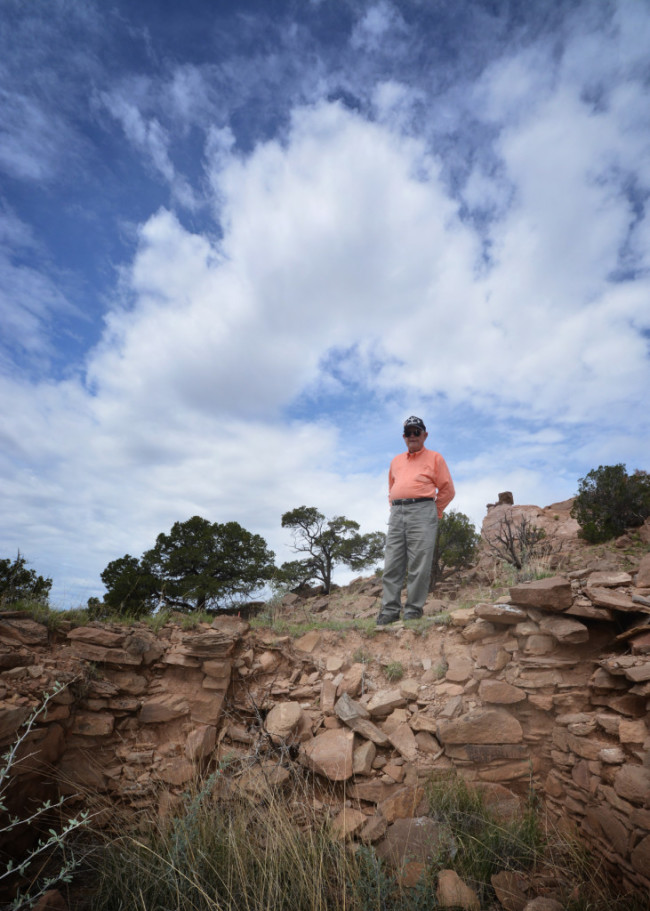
{"x":445,"y":485}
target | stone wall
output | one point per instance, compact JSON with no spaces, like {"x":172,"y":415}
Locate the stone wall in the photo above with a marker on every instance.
{"x":549,"y":687}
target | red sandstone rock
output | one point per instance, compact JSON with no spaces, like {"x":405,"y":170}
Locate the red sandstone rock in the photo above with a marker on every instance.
{"x":507,"y":614}
{"x":347,"y":823}
{"x":632,"y":782}
{"x":403,"y":739}
{"x":93,"y":724}
{"x":452,"y":892}
{"x":331,"y":754}
{"x":481,"y":726}
{"x":416,"y":839}
{"x":510,"y":890}
{"x":352,"y":680}
{"x":200,"y":742}
{"x":402,"y":804}
{"x":643,"y":575}
{"x":383,"y":703}
{"x":613,"y":599}
{"x":552,"y":594}
{"x":160,"y":709}
{"x":500,"y":692}
{"x":283,"y":720}
{"x":566,"y":631}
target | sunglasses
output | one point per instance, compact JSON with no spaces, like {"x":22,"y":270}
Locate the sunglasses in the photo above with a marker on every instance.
{"x":412,"y":433}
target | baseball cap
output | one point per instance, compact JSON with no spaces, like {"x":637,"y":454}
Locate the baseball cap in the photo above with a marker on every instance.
{"x":413,"y":421}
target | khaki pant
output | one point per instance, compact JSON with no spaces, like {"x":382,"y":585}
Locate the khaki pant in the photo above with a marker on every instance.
{"x":411,"y":539}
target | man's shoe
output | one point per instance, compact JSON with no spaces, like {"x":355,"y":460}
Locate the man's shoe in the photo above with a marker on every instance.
{"x":385,"y":619}
{"x":412,"y":615}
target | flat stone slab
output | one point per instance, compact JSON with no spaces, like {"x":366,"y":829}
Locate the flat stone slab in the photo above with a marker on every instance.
{"x":553,"y":594}
{"x":565,"y":630}
{"x":500,"y":692}
{"x":613,"y":599}
{"x":481,"y":726}
{"x":507,"y":614}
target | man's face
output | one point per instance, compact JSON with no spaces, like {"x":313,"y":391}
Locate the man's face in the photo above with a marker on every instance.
{"x":414,"y":438}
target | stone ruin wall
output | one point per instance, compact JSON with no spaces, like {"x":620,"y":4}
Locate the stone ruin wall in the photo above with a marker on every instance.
{"x":549,"y":686}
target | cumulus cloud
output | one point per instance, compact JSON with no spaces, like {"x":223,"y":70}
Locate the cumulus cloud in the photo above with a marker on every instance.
{"x":475,"y":252}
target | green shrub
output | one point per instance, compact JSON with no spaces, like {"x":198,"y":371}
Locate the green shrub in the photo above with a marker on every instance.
{"x":19,"y":584}
{"x":394,"y":671}
{"x":609,"y":501}
{"x":456,"y":545}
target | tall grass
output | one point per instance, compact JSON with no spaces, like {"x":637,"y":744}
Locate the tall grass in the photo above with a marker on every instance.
{"x":225,"y":854}
{"x":226,"y":850}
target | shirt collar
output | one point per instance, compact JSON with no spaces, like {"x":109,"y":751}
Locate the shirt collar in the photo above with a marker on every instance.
{"x":414,"y":455}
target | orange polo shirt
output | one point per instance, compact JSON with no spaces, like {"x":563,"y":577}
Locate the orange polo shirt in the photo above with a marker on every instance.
{"x":421,"y":474}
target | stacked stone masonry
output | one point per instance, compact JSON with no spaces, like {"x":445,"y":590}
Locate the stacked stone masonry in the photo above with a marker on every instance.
{"x":548,"y":688}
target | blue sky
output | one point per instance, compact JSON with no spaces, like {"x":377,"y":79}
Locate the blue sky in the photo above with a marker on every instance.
{"x":241,"y":242}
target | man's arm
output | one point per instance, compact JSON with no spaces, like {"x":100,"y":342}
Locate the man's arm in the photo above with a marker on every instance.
{"x":445,"y":485}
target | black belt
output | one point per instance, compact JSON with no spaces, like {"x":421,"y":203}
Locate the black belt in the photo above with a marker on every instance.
{"x":410,"y":500}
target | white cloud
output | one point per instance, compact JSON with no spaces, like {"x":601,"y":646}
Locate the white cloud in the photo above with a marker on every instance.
{"x":149,"y":136}
{"x":342,"y":269}
{"x":32,"y":140}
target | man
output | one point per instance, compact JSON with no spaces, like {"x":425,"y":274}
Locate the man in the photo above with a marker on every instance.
{"x":419,"y":489}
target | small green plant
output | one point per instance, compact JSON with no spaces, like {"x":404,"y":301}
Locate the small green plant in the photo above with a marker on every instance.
{"x":442,"y":619}
{"x":362,"y":656}
{"x":394,"y":671}
{"x":27,"y":872}
{"x":157,"y":621}
{"x":440,"y":668}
